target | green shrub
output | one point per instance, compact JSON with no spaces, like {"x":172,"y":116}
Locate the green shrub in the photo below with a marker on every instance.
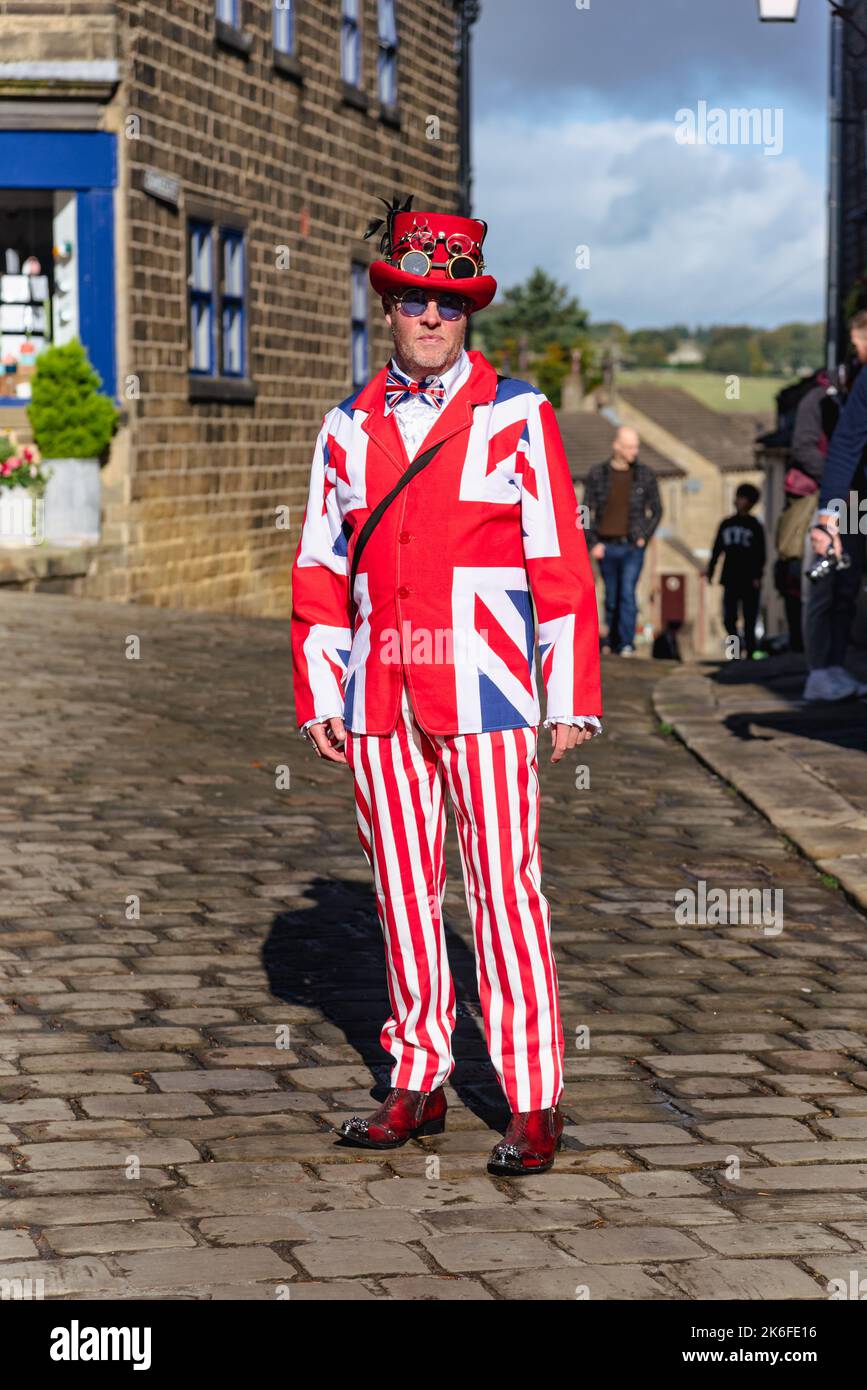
{"x":68,"y":416}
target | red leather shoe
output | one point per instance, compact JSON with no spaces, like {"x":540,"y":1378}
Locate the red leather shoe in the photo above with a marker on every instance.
{"x":403,"y":1115}
{"x":529,"y":1144}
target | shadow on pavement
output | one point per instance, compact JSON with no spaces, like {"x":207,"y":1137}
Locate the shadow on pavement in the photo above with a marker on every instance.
{"x":330,"y":957}
{"x":842,"y":724}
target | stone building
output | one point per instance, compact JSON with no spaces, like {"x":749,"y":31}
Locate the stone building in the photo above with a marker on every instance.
{"x":195,"y":179}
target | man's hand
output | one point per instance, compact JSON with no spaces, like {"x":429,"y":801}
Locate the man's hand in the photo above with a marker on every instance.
{"x":326,"y":736}
{"x":641,"y":542}
{"x":823,"y":542}
{"x":566,"y":736}
{"x":598,"y":551}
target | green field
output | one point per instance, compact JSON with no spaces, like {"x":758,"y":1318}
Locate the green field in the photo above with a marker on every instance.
{"x":757,"y":393}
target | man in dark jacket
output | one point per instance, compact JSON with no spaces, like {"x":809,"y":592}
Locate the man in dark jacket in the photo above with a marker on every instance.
{"x":838,"y":526}
{"x":622,"y":499}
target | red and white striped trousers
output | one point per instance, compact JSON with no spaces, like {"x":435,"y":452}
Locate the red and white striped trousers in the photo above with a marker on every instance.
{"x":493,"y":783}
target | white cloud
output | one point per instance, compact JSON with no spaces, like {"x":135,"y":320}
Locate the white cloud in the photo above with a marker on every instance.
{"x":677,"y":233}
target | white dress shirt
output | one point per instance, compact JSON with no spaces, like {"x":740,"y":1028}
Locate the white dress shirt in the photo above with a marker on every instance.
{"x":415,"y":418}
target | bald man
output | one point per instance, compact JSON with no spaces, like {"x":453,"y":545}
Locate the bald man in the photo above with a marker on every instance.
{"x":622,"y":498}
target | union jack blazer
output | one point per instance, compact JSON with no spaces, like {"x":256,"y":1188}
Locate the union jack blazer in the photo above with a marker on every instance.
{"x":446,"y":585}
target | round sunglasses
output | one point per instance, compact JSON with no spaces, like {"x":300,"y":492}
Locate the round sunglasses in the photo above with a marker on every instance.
{"x":413,"y":303}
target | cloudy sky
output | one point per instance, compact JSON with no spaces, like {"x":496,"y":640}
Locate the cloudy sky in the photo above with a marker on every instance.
{"x":577,"y":143}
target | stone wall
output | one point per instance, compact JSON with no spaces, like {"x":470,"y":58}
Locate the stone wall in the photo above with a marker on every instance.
{"x":193,"y":499}
{"x":39,"y":32}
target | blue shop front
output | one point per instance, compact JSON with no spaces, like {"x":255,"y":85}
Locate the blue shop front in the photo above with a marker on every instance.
{"x":57,"y":252}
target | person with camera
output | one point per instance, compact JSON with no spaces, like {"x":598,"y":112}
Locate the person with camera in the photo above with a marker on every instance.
{"x":837,"y":542}
{"x":816,"y":417}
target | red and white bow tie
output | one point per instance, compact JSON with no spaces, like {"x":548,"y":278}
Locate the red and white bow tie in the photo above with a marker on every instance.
{"x":402,"y":388}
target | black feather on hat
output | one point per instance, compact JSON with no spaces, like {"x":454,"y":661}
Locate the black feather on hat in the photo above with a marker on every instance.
{"x":387,"y":222}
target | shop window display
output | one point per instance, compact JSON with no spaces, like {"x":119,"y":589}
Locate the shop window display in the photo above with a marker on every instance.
{"x":39,"y":297}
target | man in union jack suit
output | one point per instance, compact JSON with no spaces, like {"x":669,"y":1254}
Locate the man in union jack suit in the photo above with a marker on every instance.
{"x":441,"y":512}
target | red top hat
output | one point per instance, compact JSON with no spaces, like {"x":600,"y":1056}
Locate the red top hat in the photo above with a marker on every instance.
{"x":432,"y":250}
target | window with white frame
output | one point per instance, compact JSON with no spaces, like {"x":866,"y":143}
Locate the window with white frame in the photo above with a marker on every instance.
{"x":217,"y":300}
{"x":231,"y":244}
{"x":359,"y":324}
{"x":228,"y":12}
{"x":283,"y":29}
{"x":201,"y":300}
{"x":350,"y":43}
{"x":387,"y":53}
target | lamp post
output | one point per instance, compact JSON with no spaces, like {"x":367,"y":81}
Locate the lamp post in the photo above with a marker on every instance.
{"x":786,"y":11}
{"x":835,"y":347}
{"x":467,"y":14}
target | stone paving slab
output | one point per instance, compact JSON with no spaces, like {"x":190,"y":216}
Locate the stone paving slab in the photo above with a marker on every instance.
{"x":192,"y":989}
{"x":800,"y":764}
{"x":754,"y":1279}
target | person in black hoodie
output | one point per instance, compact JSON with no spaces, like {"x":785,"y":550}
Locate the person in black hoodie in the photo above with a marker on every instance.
{"x":741,"y":539}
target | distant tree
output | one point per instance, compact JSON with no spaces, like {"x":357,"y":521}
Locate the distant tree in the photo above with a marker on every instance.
{"x":793,"y":347}
{"x":733,"y":349}
{"x":730,"y":355}
{"x":608,"y":331}
{"x":539,"y":315}
{"x":531,"y":317}
{"x":648,"y":347}
{"x":550,"y":370}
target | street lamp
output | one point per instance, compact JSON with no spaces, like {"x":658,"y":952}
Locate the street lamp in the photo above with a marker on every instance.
{"x":467,"y":15}
{"x":787,"y":10}
{"x":778,"y":11}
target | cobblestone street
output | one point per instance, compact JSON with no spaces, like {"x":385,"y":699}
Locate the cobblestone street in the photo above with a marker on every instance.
{"x":167,"y":913}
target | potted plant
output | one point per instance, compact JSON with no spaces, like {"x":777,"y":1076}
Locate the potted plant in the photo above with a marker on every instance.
{"x":72,"y":425}
{"x":22,"y":489}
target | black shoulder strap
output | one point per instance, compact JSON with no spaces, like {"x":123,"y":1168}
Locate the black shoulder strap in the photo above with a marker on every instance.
{"x":382,"y":506}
